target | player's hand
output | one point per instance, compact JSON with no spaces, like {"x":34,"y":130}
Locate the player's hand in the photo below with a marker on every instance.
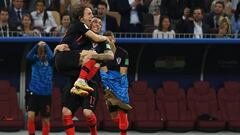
{"x":86,"y":58}
{"x":87,"y":52}
{"x":41,"y":43}
{"x":107,"y":39}
{"x":62,"y":47}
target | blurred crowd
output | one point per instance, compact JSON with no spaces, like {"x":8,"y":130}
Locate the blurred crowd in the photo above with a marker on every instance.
{"x":161,"y":18}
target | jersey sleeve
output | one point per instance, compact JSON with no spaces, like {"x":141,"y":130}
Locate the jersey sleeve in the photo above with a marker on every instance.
{"x":125,"y":59}
{"x":106,"y":46}
{"x":75,"y":31}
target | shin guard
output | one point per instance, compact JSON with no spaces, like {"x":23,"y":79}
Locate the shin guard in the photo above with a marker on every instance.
{"x":68,"y":125}
{"x":123,"y":122}
{"x":92,"y":123}
{"x":45,"y":128}
{"x":31,"y":127}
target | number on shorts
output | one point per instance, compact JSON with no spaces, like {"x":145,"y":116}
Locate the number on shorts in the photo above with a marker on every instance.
{"x":92,"y":100}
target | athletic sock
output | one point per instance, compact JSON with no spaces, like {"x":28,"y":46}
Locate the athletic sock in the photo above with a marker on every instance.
{"x":116,"y":120}
{"x":68,"y":125}
{"x":123,"y":122}
{"x":31,"y":127}
{"x":92,"y":72}
{"x":45,"y":128}
{"x":86,"y":69}
{"x":92,"y":124}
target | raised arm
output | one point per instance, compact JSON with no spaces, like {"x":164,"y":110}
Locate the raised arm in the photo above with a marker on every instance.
{"x":31,"y":55}
{"x":49,"y":53}
{"x":95,"y":37}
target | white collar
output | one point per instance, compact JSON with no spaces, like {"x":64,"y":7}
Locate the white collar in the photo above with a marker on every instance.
{"x":16,"y":10}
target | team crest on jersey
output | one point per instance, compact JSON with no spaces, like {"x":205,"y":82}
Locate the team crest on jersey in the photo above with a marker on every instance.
{"x":94,"y":45}
{"x":126,"y":62}
{"x":108,"y":46}
{"x":119,"y":60}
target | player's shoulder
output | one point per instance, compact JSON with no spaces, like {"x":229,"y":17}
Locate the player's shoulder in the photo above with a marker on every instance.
{"x":79,"y":24}
{"x":105,"y":44}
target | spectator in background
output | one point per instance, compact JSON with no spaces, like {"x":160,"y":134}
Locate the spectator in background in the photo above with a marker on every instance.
{"x":108,"y":22}
{"x":5,"y":4}
{"x":213,"y":18}
{"x":111,"y":4}
{"x":228,"y":6}
{"x":6,"y":28}
{"x":32,"y":4}
{"x":86,"y":3}
{"x":40,"y":87}
{"x":65,"y":24}
{"x":224,"y":29}
{"x":235,"y":20}
{"x":234,"y":4}
{"x":173,"y":9}
{"x":64,"y":6}
{"x":43,"y":19}
{"x":164,"y":29}
{"x":154,"y":7}
{"x":203,"y":4}
{"x":131,"y":15}
{"x":16,"y":13}
{"x":197,"y":26}
{"x":185,"y":17}
{"x":54,"y":5}
{"x":67,"y":6}
{"x":26,"y":28}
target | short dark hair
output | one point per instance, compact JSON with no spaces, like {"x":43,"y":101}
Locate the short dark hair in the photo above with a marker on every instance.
{"x":108,"y":33}
{"x":42,"y":1}
{"x":4,"y":9}
{"x":30,"y":17}
{"x":162,"y":17}
{"x":103,"y":3}
{"x":220,"y":2}
{"x":78,"y":12}
{"x":198,"y":8}
{"x":97,"y":16}
{"x":65,"y":14}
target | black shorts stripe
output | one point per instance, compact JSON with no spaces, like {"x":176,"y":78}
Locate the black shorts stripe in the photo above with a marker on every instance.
{"x":123,"y":131}
{"x":85,"y":69}
{"x":92,"y":126}
{"x":68,"y":126}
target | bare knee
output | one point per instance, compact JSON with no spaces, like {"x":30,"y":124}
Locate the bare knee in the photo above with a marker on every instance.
{"x":114,"y":114}
{"x":31,"y":115}
{"x":45,"y":120}
{"x":66,"y":111}
{"x":87,"y":113}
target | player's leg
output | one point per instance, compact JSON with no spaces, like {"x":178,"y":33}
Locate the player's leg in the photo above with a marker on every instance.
{"x":32,"y":109}
{"x":89,"y":105}
{"x":82,"y":82}
{"x":67,"y":121}
{"x":113,"y":110}
{"x":119,"y":117}
{"x":45,"y":125}
{"x":68,"y":63}
{"x":91,"y":120}
{"x":70,"y":104}
{"x":123,"y":122}
{"x":109,"y":96}
{"x":87,"y":67}
{"x":45,"y":111}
